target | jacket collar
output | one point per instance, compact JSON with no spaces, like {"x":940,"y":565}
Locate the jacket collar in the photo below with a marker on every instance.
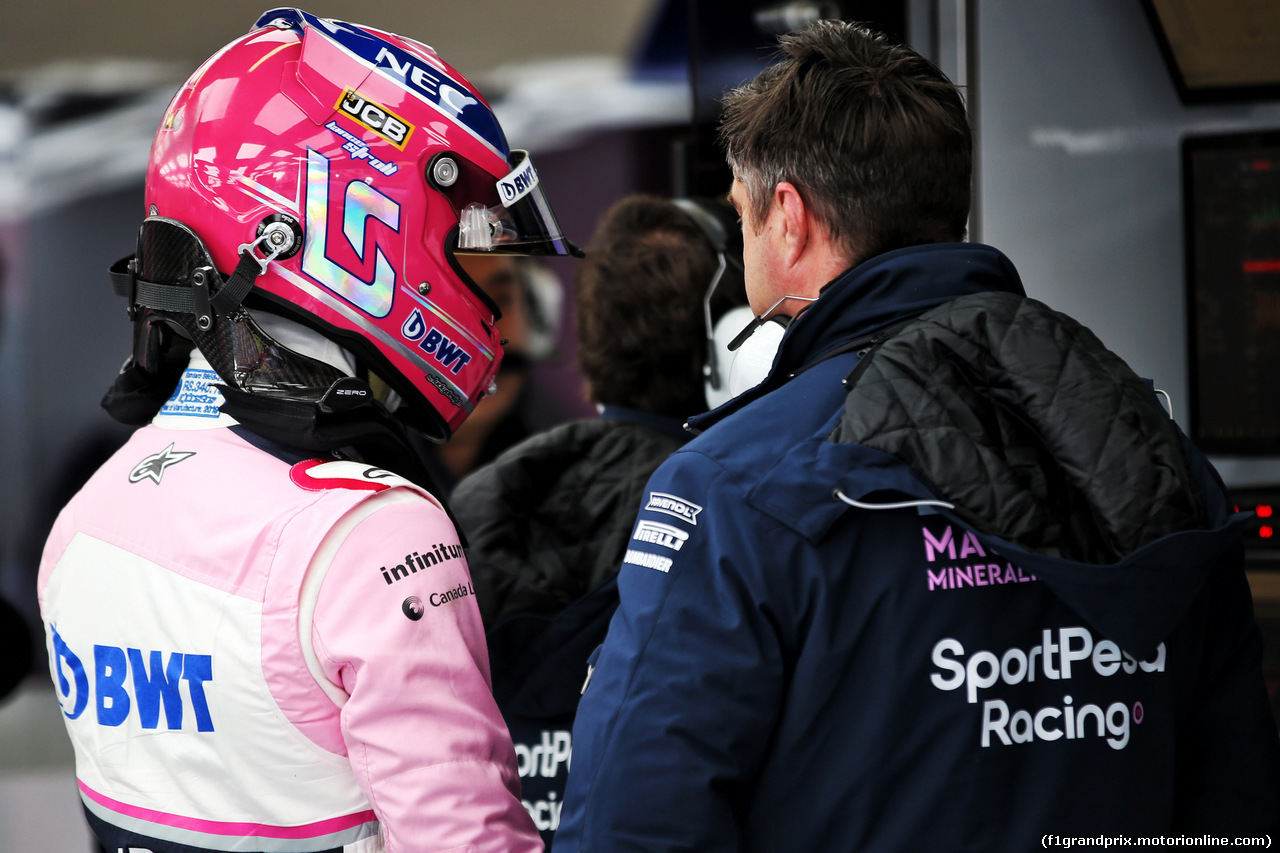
{"x":873,"y":295}
{"x":658,"y":423}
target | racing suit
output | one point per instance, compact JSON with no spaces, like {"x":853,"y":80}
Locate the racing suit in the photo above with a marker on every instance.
{"x":787,"y":671}
{"x":258,"y":651}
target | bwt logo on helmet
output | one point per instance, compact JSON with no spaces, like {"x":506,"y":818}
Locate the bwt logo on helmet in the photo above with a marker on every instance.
{"x":434,"y":342}
{"x":376,"y":117}
{"x":519,"y":183}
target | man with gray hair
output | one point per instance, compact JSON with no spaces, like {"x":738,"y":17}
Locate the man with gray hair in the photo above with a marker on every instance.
{"x":949,"y":578}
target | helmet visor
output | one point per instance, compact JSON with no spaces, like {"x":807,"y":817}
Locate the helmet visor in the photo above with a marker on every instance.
{"x":510,"y":215}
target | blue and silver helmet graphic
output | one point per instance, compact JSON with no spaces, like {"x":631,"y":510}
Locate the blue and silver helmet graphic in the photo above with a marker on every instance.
{"x":432,"y":85}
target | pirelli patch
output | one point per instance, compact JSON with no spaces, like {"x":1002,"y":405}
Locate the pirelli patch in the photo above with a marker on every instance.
{"x":657,"y":533}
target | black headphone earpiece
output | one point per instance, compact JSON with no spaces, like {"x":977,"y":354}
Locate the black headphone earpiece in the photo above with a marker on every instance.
{"x":708,"y":221}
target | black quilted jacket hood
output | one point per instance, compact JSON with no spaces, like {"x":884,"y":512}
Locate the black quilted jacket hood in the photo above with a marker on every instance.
{"x":1049,"y":447}
{"x":547,"y":525}
{"x":549,"y":519}
{"x":1019,"y":416}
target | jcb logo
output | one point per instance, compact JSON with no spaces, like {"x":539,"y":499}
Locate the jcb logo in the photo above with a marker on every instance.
{"x":376,"y":117}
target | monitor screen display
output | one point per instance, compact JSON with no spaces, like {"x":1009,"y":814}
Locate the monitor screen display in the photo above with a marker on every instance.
{"x":1231,"y":198}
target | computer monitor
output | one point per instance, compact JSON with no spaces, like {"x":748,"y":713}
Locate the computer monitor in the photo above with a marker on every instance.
{"x":1231,"y":207}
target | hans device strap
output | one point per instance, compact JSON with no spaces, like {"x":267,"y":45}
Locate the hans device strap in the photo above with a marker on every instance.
{"x":195,"y":296}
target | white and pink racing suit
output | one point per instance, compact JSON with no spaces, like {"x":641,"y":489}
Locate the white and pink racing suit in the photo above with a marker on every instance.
{"x":255,"y":653}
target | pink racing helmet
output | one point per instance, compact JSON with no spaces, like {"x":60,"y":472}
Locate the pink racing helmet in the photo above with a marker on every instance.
{"x":331,"y":173}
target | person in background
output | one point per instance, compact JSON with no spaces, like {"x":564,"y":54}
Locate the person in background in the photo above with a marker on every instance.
{"x":547,"y":522}
{"x":261,"y":627}
{"x":949,"y":578}
{"x":528,"y":297}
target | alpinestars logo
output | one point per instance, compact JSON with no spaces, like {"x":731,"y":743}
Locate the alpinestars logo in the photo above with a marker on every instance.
{"x":153,"y":467}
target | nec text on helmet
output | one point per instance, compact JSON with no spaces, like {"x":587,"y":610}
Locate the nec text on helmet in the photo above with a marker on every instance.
{"x":426,"y":80}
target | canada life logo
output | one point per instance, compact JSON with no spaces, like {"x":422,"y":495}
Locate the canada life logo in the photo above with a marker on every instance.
{"x":413,"y":608}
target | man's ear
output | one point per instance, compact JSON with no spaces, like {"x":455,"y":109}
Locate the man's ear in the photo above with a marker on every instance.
{"x":806,"y":246}
{"x":796,"y":222}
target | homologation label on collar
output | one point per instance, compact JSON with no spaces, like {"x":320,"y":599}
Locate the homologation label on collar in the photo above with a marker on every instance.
{"x":195,"y":395}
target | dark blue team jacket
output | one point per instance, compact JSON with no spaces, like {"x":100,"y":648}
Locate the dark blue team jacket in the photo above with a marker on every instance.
{"x":790,"y":673}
